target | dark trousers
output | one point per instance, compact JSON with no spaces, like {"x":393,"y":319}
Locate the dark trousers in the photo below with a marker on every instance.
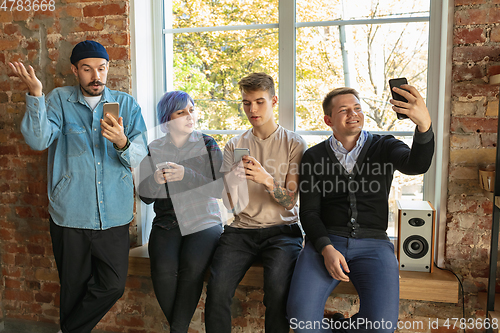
{"x":277,"y":248}
{"x":178,"y":265}
{"x":92,"y":266}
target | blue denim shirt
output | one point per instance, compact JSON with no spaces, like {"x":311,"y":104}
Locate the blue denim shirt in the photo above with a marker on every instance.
{"x":89,"y":182}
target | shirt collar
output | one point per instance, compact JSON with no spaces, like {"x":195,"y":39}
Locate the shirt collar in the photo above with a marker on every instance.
{"x":77,"y":96}
{"x":339,"y":147}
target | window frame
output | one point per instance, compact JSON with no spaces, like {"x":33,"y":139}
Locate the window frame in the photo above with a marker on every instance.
{"x":159,"y":38}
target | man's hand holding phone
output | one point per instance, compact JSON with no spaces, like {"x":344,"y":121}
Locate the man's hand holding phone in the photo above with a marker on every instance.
{"x":114,"y":133}
{"x":414,"y":108}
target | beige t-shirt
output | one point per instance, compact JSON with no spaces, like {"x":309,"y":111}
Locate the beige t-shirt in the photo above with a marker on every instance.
{"x":279,"y":154}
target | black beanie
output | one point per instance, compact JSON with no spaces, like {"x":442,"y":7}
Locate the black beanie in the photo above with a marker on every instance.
{"x":88,"y":49}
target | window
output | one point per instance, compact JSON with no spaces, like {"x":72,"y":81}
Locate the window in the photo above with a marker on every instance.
{"x":309,"y":47}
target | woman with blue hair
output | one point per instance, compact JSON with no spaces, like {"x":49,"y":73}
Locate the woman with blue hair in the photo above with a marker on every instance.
{"x":181,"y":177}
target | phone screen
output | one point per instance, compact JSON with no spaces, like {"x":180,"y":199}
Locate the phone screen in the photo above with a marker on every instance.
{"x":398,"y":83}
{"x":239,"y":153}
{"x":113,"y":109}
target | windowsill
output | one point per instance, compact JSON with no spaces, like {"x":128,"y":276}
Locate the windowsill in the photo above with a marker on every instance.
{"x":439,"y":286}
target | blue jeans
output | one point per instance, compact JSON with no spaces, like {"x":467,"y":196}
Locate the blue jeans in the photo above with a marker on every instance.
{"x":278,"y":248}
{"x":374,"y":273}
{"x":178,"y":265}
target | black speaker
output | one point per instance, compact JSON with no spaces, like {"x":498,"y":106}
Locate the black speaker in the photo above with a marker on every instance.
{"x":415,"y":249}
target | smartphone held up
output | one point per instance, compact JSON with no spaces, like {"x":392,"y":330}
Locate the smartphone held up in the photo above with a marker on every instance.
{"x":398,"y":83}
{"x":113,"y":109}
{"x":239,"y":153}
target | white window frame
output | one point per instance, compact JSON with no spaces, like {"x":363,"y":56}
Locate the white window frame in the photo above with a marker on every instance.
{"x":148,"y":63}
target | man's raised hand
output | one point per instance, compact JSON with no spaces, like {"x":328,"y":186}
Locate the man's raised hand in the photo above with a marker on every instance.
{"x":28,"y":77}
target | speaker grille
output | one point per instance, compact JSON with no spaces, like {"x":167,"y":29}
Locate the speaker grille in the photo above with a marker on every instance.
{"x":415,"y":246}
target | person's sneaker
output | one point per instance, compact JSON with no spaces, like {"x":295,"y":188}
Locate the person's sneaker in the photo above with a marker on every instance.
{"x":334,"y":316}
{"x":337,"y":316}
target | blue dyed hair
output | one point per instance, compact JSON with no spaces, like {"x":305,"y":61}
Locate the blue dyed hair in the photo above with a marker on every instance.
{"x":170,"y":102}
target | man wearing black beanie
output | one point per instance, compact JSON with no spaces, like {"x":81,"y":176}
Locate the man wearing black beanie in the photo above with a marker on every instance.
{"x":90,"y":185}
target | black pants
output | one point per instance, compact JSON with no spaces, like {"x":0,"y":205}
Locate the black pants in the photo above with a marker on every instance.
{"x":278,"y":248}
{"x":178,"y":265}
{"x":92,"y":266}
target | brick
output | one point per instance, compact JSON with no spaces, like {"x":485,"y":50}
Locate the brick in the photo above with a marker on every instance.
{"x":12,"y":283}
{"x":5,"y":16}
{"x":44,"y":297}
{"x":10,"y":29}
{"x":35,"y":249}
{"x":33,"y":285}
{"x":11,"y":271}
{"x":469,"y":36}
{"x":24,"y":212}
{"x":22,"y":259}
{"x":4,"y":98}
{"x":115,"y":39}
{"x":41,"y":262}
{"x":476,"y":53}
{"x":495,"y":34}
{"x":76,"y":1}
{"x":33,"y":45}
{"x":6,"y":234}
{"x":25,"y":150}
{"x":42,"y":15}
{"x":132,"y":309}
{"x":488,"y":207}
{"x":40,"y":238}
{"x":105,"y":10}
{"x":492,"y":109}
{"x":69,"y":10}
{"x":481,"y":15}
{"x":34,"y":308}
{"x":129,"y":321}
{"x":37,"y":188}
{"x":18,"y":295}
{"x":470,"y":91}
{"x":45,"y":274}
{"x":458,"y":252}
{"x":468,"y":2}
{"x":493,"y":70}
{"x":463,"y":108}
{"x":118,"y":24}
{"x":467,"y":73}
{"x":118,"y":53}
{"x":21,"y":15}
{"x":50,"y":287}
{"x":8,"y":259}
{"x":488,"y":140}
{"x":472,"y":156}
{"x":473,"y":124}
{"x":51,"y":313}
{"x":90,"y":24}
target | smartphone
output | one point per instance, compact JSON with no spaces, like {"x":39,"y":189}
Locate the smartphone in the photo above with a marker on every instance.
{"x":113,"y":109}
{"x":398,"y":83}
{"x":239,"y":153}
{"x":163,"y":165}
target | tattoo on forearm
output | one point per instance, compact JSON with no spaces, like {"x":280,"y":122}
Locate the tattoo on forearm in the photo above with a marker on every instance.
{"x":283,"y":196}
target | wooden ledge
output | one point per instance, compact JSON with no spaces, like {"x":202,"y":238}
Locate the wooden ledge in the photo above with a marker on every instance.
{"x":439,"y":286}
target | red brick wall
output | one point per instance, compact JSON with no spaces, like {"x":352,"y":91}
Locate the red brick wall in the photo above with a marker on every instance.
{"x":476,"y":56}
{"x":29,"y":287}
{"x":29,"y":283}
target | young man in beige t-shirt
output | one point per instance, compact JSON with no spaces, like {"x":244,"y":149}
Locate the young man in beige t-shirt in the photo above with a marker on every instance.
{"x":262,"y":191}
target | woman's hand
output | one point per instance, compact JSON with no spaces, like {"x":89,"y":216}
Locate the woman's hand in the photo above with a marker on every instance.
{"x":173,"y":173}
